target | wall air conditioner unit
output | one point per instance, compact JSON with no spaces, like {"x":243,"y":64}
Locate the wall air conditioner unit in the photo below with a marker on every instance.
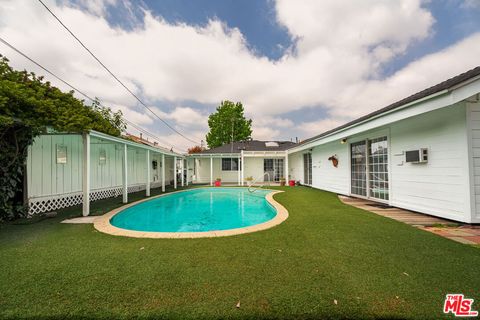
{"x":417,"y":156}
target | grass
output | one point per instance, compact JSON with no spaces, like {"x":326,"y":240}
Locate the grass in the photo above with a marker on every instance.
{"x":326,"y":251}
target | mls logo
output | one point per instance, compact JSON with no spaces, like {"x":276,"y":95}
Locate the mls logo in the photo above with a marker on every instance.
{"x":459,"y":306}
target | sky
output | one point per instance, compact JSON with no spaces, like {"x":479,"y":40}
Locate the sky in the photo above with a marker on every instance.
{"x":299,"y":67}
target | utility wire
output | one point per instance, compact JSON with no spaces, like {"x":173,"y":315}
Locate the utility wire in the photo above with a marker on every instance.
{"x":113,"y":75}
{"x":76,"y":89}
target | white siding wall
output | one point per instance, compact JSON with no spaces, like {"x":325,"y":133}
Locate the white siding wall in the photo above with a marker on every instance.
{"x":473,"y":116}
{"x":46,"y":178}
{"x":439,"y":187}
{"x":44,"y":175}
{"x":295,"y":166}
{"x":324,"y":175}
{"x":108,"y":174}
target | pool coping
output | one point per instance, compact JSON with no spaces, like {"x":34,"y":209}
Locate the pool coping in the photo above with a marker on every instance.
{"x":102,"y":223}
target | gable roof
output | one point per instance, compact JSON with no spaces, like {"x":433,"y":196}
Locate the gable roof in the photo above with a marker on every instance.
{"x":250,"y":145}
{"x":445,"y":85}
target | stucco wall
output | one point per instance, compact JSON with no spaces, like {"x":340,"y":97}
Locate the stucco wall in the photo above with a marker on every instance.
{"x":253,"y":168}
{"x":203,"y":171}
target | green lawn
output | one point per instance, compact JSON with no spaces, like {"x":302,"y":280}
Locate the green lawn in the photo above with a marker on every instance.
{"x":372,"y":266}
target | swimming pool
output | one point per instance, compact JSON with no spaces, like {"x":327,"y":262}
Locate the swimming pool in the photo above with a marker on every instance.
{"x":202,"y":210}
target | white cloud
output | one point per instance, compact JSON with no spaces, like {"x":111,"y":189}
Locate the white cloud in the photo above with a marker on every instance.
{"x":475,"y":4}
{"x":312,"y":128}
{"x":97,"y":7}
{"x":265,"y":133}
{"x":184,"y":116}
{"x":340,"y":51}
{"x":368,"y":96}
{"x":273,"y":121}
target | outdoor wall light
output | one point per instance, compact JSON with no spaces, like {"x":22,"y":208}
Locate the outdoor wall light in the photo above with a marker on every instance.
{"x":343,"y":141}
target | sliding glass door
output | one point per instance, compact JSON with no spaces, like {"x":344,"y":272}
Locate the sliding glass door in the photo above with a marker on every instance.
{"x":274,"y":168}
{"x":369,"y":168}
{"x":307,"y":168}
{"x":378,"y":168}
{"x":359,"y":168}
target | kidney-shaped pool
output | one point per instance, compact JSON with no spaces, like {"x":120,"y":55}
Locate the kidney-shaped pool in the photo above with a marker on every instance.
{"x":198,"y":210}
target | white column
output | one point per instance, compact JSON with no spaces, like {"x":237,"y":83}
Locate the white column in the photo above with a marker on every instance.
{"x":183,"y":173}
{"x":86,"y":175}
{"x":286,"y":169}
{"x":147,"y":192}
{"x":187,"y":171}
{"x":163,"y":172}
{"x":174,"y":172}
{"x":125,"y":174}
{"x":242,"y":160}
{"x":211,"y":171}
{"x":239,"y":170}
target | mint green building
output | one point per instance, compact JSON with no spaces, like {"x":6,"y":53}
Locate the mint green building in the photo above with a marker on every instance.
{"x":65,"y":169}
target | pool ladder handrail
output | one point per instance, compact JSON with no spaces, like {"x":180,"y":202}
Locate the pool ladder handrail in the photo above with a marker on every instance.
{"x":252,"y":188}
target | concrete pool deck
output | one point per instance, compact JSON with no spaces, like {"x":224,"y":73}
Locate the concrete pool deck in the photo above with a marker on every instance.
{"x":102,"y":223}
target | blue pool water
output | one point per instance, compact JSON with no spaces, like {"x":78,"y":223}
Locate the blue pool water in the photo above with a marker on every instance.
{"x":198,"y":210}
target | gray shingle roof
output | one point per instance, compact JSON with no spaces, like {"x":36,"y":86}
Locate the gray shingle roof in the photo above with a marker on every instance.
{"x":252,"y":145}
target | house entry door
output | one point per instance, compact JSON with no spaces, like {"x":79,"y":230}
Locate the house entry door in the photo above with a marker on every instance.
{"x":274,"y":168}
{"x":369,"y":168}
{"x":307,"y":168}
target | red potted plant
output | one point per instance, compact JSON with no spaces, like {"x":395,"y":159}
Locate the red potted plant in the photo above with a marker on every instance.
{"x":218,"y":182}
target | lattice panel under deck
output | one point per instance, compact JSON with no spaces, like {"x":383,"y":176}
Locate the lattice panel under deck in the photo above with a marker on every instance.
{"x":37,"y":206}
{"x":47,"y":204}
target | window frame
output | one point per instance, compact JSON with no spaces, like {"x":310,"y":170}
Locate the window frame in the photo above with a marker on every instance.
{"x":231,"y":164}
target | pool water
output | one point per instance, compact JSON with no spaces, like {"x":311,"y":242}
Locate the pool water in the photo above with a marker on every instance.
{"x":198,"y":210}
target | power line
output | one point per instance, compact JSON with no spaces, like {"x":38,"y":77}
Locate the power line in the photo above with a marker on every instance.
{"x":76,"y":89}
{"x":113,"y":75}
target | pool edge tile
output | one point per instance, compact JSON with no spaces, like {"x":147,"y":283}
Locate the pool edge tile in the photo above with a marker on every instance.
{"x":102,"y":223}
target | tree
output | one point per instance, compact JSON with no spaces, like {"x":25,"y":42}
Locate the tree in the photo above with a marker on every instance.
{"x":195,"y":149}
{"x":28,"y":105}
{"x":228,"y":124}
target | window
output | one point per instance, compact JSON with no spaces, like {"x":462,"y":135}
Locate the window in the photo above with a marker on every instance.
{"x":61,"y":154}
{"x":230,"y":164}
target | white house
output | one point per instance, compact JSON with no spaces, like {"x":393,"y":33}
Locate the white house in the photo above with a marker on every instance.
{"x":421,"y":153}
{"x":235,"y":162}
